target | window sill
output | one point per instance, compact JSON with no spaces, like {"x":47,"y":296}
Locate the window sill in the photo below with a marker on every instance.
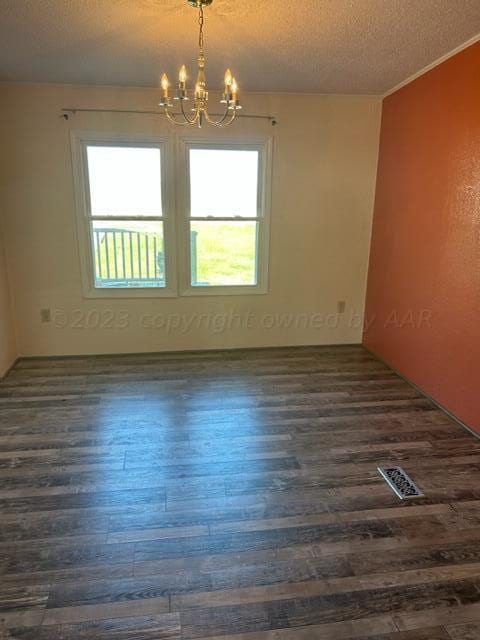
{"x":148,"y":293}
{"x":125,"y":294}
{"x":240,"y":290}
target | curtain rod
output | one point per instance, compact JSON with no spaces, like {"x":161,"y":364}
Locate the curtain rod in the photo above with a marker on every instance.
{"x":67,"y":112}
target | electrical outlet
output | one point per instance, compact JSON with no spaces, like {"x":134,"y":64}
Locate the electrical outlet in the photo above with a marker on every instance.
{"x":45,"y":315}
{"x":341,"y":304}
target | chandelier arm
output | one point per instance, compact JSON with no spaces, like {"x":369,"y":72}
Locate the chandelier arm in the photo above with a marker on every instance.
{"x":171,"y":118}
{"x":189,"y":120}
{"x":224,"y":121}
{"x":221,"y":120}
{"x":229,"y":121}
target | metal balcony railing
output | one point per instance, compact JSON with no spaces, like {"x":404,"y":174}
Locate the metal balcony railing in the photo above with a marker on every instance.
{"x":128,"y":258}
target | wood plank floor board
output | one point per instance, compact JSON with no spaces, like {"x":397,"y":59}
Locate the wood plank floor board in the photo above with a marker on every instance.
{"x":324,"y":609}
{"x":200,"y":579}
{"x":19,"y":598}
{"x":380,"y":628}
{"x":232,"y":496}
{"x":154,"y":627}
{"x":441,"y":615}
{"x":464,"y":631}
{"x":110,"y":498}
{"x":72,"y":557}
{"x":257,"y":540}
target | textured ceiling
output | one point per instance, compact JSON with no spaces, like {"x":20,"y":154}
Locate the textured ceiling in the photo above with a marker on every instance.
{"x":318,"y":46}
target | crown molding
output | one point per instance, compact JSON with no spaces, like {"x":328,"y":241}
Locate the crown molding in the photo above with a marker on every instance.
{"x":432,"y":65}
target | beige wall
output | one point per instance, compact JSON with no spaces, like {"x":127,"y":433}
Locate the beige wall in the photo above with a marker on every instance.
{"x":324,"y":167}
{"x":7,"y":337}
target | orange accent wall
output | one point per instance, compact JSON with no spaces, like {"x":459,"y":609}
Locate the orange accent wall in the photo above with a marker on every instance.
{"x":423,"y":296}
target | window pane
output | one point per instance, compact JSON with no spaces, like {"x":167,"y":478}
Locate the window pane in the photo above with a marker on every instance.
{"x":223,"y":253}
{"x":223,"y":183}
{"x":128,"y":254}
{"x":124,"y":181}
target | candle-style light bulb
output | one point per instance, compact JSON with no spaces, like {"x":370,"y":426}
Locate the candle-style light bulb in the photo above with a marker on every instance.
{"x":234,"y":102}
{"x":165,"y":84}
{"x":227,"y":92}
{"x":182,"y":76}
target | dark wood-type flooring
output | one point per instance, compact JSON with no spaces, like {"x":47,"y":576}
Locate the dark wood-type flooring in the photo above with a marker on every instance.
{"x":219,"y":494}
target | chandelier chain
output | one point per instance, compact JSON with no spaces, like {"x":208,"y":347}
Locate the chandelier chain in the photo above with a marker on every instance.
{"x":201,"y":22}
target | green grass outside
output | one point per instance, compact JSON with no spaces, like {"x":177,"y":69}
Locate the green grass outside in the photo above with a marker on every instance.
{"x":225,"y":253}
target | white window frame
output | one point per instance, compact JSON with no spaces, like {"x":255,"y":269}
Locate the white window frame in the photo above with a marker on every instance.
{"x":264,"y":148}
{"x":80,"y":140}
{"x":175,"y":212}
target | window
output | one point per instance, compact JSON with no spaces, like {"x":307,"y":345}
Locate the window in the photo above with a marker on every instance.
{"x":126,"y":216}
{"x":126,"y":223}
{"x":226,"y":203}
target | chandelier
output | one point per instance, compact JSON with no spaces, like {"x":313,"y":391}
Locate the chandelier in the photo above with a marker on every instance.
{"x":198,"y":113}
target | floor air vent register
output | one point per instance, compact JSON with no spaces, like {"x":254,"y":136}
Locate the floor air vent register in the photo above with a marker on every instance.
{"x":401,"y":483}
